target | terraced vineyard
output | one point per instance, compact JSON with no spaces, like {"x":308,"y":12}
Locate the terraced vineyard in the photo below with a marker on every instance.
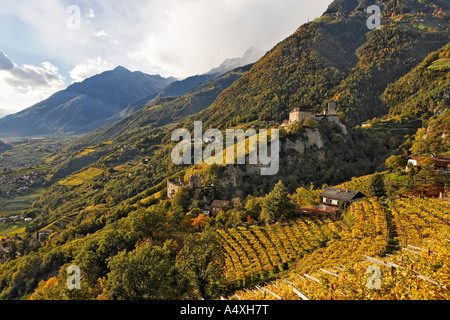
{"x":362,"y":261}
{"x":258,"y":252}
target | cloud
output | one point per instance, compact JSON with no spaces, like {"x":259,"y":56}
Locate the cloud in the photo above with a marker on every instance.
{"x":171,"y":37}
{"x":176,"y":38}
{"x":90,"y":68}
{"x":23,"y":86}
{"x":90,"y":14}
{"x":101,"y":34}
{"x":193,"y":36}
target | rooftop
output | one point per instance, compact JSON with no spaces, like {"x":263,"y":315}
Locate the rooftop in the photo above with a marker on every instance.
{"x":341,"y":194}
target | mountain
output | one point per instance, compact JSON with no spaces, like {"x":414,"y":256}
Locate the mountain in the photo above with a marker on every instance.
{"x":250,"y":56}
{"x":162,"y":111}
{"x":334,"y":57}
{"x":3,"y":113}
{"x":434,"y":137}
{"x":75,"y":109}
{"x":181,"y":87}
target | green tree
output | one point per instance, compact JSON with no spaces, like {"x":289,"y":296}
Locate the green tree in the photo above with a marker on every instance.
{"x":377,"y":186}
{"x":201,"y":261}
{"x":396,"y":163}
{"x":148,"y":272}
{"x":277,"y":205}
{"x":307,"y":196}
{"x":181,"y":198}
{"x":177,"y":214}
{"x":428,"y":176}
{"x":253,"y":207}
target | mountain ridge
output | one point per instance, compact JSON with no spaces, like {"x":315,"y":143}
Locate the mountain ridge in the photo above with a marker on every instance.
{"x":72,"y":110}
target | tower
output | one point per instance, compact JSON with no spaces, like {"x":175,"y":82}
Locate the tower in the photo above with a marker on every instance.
{"x":332,"y":108}
{"x":195,"y":181}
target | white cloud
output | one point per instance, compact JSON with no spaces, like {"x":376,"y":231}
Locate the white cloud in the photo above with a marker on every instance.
{"x":23,"y":86}
{"x":101,"y":34}
{"x":90,"y":14}
{"x":193,"y":36}
{"x":170,"y":37}
{"x":90,"y":68}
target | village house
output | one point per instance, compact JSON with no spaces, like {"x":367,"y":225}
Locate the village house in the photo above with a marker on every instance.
{"x":298,"y":116}
{"x":440,"y":162}
{"x":45,"y":232}
{"x":215,"y":207}
{"x":332,"y":198}
{"x":335,"y":196}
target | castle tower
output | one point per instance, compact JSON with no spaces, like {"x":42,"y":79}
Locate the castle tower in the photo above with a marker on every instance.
{"x":195,"y":181}
{"x":332,"y":108}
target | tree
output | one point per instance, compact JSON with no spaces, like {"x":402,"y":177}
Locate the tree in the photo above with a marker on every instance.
{"x":253,"y":207}
{"x":201,"y":261}
{"x":181,"y":198}
{"x":201,"y":221}
{"x":148,"y":272}
{"x":226,"y":218}
{"x":307,"y":196}
{"x":377,"y":187}
{"x":277,"y":205}
{"x":177,"y":215}
{"x":396,"y":163}
{"x":428,"y":176}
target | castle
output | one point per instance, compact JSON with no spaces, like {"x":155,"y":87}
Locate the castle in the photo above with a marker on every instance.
{"x":194,"y":183}
{"x":298,"y":116}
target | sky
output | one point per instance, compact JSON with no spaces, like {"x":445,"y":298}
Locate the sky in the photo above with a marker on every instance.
{"x":47,"y":45}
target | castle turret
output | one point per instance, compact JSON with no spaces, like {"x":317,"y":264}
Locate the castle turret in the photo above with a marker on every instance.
{"x":195,"y":181}
{"x":332,"y":108}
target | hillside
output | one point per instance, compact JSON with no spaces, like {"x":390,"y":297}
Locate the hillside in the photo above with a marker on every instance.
{"x":424,"y":91}
{"x":389,"y":7}
{"x":75,"y":109}
{"x":3,"y":146}
{"x":434,"y":136}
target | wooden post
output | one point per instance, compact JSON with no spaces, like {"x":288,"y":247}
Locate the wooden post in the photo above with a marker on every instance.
{"x":299,"y":293}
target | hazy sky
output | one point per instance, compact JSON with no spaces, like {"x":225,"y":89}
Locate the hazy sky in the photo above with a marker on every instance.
{"x":46,"y":45}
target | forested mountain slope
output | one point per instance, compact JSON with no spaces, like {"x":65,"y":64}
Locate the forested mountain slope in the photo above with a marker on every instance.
{"x":334,"y":57}
{"x":423,"y":92}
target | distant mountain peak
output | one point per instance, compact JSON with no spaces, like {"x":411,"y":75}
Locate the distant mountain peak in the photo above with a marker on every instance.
{"x":250,"y":56}
{"x":75,"y":109}
{"x":120,"y":68}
